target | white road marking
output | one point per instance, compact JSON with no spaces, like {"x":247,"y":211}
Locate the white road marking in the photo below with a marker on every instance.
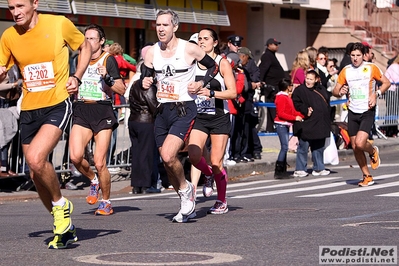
{"x":394,"y":194}
{"x":293,"y":190}
{"x":358,"y":189}
{"x":216,"y":258}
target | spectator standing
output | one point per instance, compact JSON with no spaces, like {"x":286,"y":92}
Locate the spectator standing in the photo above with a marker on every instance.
{"x":45,"y":106}
{"x":233,"y":43}
{"x":391,"y":96}
{"x":172,"y":60}
{"x":357,"y":82}
{"x":252,"y":147}
{"x":144,"y":156}
{"x":213,"y":120}
{"x":10,"y":91}
{"x":271,"y":72}
{"x":312,"y":101}
{"x":346,"y":59}
{"x":300,"y":66}
{"x":286,"y":115}
{"x":93,"y":116}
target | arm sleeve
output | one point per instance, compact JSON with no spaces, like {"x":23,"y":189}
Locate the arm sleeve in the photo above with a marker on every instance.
{"x":298,"y":103}
{"x":112,"y":67}
{"x":212,"y":67}
{"x":283,"y":110}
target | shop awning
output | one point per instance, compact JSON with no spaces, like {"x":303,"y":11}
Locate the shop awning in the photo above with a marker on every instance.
{"x":146,"y":12}
{"x":115,"y":9}
{"x":51,"y":6}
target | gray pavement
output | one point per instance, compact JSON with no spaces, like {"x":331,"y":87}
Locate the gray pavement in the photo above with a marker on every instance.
{"x":240,"y":171}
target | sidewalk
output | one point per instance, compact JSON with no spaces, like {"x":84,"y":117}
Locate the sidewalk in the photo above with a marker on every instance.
{"x":271,"y":148}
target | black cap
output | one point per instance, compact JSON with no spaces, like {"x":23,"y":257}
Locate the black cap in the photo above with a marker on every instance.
{"x":272,"y":40}
{"x":235,"y":39}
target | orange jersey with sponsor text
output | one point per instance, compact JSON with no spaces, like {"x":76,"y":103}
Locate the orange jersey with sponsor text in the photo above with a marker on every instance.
{"x":42,"y":56}
{"x":361,"y":81}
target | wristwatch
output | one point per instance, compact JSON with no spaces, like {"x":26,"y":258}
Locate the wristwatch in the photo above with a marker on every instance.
{"x":211,"y":93}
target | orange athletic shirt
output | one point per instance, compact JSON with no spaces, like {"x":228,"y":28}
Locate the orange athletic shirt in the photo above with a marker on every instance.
{"x":45,"y":43}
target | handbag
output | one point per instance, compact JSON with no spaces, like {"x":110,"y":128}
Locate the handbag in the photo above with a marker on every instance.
{"x":330,"y":154}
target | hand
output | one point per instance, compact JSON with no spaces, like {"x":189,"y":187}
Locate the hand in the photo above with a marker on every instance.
{"x":194,"y":87}
{"x":298,"y":118}
{"x":72,"y":85}
{"x":372,"y":101}
{"x":147,"y":82}
{"x":310,"y":111}
{"x":344,"y":90}
{"x":101,"y":69}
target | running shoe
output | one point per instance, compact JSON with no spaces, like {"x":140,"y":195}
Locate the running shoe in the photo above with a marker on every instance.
{"x":322,"y":172}
{"x":62,"y":217}
{"x":375,"y":158}
{"x":180,"y":218}
{"x":187,"y":197}
{"x":300,"y":174}
{"x":219,"y":208}
{"x":94,"y":194}
{"x":104,"y":208}
{"x":367,"y":181}
{"x":207,"y":188}
{"x":62,"y":241}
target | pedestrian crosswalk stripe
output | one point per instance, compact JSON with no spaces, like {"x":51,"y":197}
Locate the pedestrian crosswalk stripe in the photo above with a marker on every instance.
{"x":298,"y":183}
{"x":291,"y":190}
{"x":358,"y":189}
{"x":394,"y":194}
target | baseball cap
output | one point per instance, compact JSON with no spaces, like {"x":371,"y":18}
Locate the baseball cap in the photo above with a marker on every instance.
{"x":245,"y":50}
{"x":272,"y":40}
{"x":109,"y":42}
{"x":233,"y":59}
{"x":235,"y":39}
{"x":194,"y":38}
{"x":367,"y":44}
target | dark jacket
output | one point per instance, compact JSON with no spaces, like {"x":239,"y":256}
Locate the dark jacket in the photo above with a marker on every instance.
{"x":253,"y":70}
{"x":143,"y":103}
{"x":318,"y":125}
{"x":271,"y":72}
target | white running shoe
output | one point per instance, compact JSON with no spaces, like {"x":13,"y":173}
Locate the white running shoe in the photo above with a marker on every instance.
{"x":219,"y":208}
{"x":322,"y":172}
{"x":187,"y":197}
{"x":300,"y":174}
{"x":207,"y":188}
{"x":180,"y":218}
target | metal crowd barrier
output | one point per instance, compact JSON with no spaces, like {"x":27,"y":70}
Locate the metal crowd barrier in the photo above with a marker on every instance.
{"x":388,"y":108}
{"x":117,"y":158}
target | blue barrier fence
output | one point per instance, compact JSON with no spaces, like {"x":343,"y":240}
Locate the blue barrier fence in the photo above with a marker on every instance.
{"x":272,"y":105}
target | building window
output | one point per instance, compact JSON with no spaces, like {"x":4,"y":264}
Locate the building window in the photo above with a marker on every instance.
{"x":290,"y":13}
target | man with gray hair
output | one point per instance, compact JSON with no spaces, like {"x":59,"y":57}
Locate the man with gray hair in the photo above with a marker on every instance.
{"x":170,"y":64}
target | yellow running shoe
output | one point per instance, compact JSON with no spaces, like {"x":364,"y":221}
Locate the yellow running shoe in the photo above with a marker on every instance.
{"x":375,"y":160}
{"x":62,"y":217}
{"x":62,"y":241}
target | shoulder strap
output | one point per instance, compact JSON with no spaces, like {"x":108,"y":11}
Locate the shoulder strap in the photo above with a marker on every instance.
{"x":324,"y":99}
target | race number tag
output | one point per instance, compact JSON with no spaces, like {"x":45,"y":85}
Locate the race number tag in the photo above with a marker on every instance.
{"x":90,"y":90}
{"x":168,"y":90}
{"x":205,"y":105}
{"x":39,"y":77}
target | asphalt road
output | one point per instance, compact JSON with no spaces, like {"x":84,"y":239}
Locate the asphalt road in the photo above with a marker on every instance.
{"x":270,"y":222}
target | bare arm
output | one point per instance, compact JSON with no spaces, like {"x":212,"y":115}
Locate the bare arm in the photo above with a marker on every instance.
{"x":85,"y":53}
{"x":385,"y":84}
{"x":119,"y":87}
{"x":337,"y":90}
{"x":229,"y":80}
